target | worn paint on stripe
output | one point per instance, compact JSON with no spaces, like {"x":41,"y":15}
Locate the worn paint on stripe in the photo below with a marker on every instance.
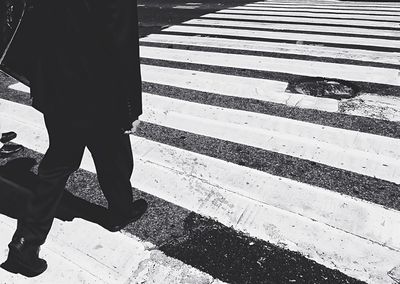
{"x":379,"y":18}
{"x":345,"y":213}
{"x":387,"y":108}
{"x":318,"y":10}
{"x":299,"y":67}
{"x":284,"y":136}
{"x":324,"y":244}
{"x":365,"y":32}
{"x":279,"y":48}
{"x":339,"y":120}
{"x":330,"y":39}
{"x":353,"y":23}
{"x":335,"y":5}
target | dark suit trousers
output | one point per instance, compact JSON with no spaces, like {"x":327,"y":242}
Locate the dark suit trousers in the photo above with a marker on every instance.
{"x":112,"y":154}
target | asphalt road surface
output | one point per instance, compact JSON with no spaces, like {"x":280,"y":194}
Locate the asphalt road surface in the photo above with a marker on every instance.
{"x":268,"y":149}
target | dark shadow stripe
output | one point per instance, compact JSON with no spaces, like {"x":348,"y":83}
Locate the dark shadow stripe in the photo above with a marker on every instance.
{"x":304,"y":42}
{"x":286,"y":30}
{"x":338,"y":120}
{"x":271,"y":54}
{"x":366,"y":87}
{"x":308,"y":17}
{"x":203,"y":243}
{"x":337,"y":180}
{"x":338,"y":12}
{"x":304,"y":23}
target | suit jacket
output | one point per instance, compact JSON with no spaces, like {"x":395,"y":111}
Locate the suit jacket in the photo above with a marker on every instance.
{"x":82,"y":60}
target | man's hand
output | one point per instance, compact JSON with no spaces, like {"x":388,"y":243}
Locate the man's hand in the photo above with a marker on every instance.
{"x":135,"y":125}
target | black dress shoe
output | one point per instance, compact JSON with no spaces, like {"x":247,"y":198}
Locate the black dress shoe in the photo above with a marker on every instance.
{"x":139,"y":207}
{"x":7,"y":137}
{"x":24,"y":259}
{"x":9,"y":149}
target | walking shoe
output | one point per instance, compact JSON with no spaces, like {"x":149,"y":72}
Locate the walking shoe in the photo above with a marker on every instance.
{"x":7,"y":137}
{"x":117,"y":223}
{"x":24,"y":259}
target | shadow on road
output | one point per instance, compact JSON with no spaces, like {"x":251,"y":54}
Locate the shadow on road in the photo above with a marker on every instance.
{"x":17,"y":189}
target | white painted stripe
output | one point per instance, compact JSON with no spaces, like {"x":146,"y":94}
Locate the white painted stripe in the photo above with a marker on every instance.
{"x":83,"y":252}
{"x":337,"y":249}
{"x":382,"y":18}
{"x":330,"y":39}
{"x":19,"y":87}
{"x":338,"y":5}
{"x":296,"y":27}
{"x":358,"y":23}
{"x":358,"y":217}
{"x":370,"y":143}
{"x":240,"y":10}
{"x":367,"y":105}
{"x":306,"y":140}
{"x":320,"y":10}
{"x":269,"y":64}
{"x":287,"y":48}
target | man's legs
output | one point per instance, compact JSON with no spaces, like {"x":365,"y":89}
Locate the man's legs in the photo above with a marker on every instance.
{"x":112,"y":154}
{"x":62,"y":158}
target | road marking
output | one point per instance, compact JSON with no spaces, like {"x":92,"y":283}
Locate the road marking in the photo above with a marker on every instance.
{"x":325,"y":244}
{"x":329,"y":4}
{"x":286,"y":48}
{"x":367,"y":105}
{"x":269,"y":64}
{"x":330,"y":39}
{"x":358,"y":23}
{"x":320,"y":10}
{"x":381,"y":18}
{"x":294,"y":27}
{"x":306,"y":140}
{"x":104,"y":257}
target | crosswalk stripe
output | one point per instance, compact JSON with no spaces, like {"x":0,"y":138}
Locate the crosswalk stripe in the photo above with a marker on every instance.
{"x":380,"y":18}
{"x":322,"y":10}
{"x":273,"y":134}
{"x":104,"y":257}
{"x":247,"y":87}
{"x":356,"y":23}
{"x":299,"y":67}
{"x":276,"y":47}
{"x":357,"y":5}
{"x":361,"y":42}
{"x":296,"y":27}
{"x":325,"y":244}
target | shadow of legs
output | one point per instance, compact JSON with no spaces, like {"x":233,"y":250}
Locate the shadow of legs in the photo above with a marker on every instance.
{"x":19,"y":183}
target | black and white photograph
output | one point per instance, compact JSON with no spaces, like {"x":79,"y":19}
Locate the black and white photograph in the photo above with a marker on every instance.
{"x":199,"y":141}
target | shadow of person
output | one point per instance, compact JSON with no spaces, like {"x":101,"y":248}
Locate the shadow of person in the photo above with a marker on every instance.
{"x":17,"y":188}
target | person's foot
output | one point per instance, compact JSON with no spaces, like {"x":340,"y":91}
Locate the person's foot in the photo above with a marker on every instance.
{"x":139,"y":207}
{"x":7,"y":137}
{"x":24,"y":259}
{"x":9,"y":149}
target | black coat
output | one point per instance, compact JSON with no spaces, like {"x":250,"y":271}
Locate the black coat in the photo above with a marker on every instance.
{"x":83,"y":59}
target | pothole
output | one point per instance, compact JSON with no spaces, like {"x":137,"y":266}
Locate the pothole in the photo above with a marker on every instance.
{"x":324,"y":88}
